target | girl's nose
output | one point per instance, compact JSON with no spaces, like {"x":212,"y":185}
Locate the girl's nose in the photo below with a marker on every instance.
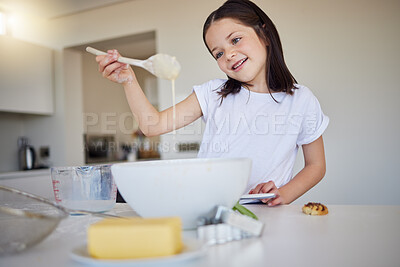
{"x":231,"y":53}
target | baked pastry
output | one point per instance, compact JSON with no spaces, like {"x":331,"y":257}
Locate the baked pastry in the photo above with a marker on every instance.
{"x":313,"y":208}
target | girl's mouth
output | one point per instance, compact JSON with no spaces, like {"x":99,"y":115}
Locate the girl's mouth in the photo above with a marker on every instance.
{"x":239,"y":64}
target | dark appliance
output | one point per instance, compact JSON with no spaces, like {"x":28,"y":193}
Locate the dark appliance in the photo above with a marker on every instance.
{"x":99,"y":148}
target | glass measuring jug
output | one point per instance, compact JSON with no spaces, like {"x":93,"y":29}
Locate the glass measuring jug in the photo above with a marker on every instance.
{"x":90,"y":188}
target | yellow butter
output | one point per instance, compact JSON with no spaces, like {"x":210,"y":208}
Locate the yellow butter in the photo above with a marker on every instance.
{"x":132,"y":238}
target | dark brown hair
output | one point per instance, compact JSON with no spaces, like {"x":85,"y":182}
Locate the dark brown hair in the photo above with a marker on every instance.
{"x":279,"y":78}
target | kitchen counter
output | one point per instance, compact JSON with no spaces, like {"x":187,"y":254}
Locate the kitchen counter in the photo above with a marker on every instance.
{"x":36,"y":182}
{"x":22,"y":174}
{"x":347,"y":236}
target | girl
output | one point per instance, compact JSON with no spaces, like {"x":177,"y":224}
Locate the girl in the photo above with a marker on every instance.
{"x":258,"y":112}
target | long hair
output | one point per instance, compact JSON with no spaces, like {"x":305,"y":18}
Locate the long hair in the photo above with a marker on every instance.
{"x":278,"y":76}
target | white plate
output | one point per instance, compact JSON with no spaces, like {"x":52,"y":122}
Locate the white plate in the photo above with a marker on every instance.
{"x":192,"y":248}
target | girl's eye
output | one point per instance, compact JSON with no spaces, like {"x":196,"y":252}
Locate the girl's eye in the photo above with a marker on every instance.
{"x":236,"y":40}
{"x":218,"y":55}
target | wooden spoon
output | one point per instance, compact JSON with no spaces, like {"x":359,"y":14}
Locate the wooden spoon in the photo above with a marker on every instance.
{"x":161,"y":65}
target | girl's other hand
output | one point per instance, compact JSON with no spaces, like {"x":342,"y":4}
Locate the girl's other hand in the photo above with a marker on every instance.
{"x":268,"y":187}
{"x":114,"y":70}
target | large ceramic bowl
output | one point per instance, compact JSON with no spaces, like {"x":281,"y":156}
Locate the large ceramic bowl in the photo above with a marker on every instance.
{"x":187,"y":188}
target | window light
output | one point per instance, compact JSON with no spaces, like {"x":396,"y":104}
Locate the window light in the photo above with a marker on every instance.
{"x":2,"y":23}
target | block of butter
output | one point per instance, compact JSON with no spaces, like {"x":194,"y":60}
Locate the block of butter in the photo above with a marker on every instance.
{"x":132,"y":238}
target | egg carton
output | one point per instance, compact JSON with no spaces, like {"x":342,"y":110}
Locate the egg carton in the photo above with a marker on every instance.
{"x":224,"y":225}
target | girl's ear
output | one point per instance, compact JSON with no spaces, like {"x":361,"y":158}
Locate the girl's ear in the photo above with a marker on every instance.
{"x":266,"y":41}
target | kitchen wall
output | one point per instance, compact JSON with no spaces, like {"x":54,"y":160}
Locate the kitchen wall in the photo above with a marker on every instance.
{"x":11,"y":126}
{"x":61,"y":131}
{"x":345,"y":51}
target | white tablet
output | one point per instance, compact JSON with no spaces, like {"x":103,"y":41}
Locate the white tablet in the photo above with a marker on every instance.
{"x":255,"y":198}
{"x":258,"y":196}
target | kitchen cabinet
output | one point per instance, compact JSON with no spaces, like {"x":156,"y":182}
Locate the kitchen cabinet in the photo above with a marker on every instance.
{"x":26,"y":77}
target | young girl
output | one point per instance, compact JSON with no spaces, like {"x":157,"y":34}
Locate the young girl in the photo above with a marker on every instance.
{"x":258,"y":112}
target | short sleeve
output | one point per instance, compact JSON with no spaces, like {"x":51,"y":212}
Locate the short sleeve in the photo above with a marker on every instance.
{"x":201,"y":94}
{"x":314,"y":122}
{"x":207,"y":96}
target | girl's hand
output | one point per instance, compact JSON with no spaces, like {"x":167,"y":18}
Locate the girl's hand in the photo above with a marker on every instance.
{"x":268,"y":187}
{"x":114,"y":70}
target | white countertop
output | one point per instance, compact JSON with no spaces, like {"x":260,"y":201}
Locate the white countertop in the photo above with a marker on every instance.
{"x":347,"y":236}
{"x":23,"y":174}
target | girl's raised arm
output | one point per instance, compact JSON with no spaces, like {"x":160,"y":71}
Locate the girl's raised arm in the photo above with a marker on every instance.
{"x":151,"y":122}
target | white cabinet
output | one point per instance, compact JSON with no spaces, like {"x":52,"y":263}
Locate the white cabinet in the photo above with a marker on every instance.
{"x":26,"y":77}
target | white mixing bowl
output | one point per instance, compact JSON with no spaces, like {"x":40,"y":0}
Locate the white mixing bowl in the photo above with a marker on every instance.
{"x":187,"y":188}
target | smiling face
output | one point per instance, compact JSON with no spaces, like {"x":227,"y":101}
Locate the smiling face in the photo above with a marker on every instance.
{"x":239,"y":52}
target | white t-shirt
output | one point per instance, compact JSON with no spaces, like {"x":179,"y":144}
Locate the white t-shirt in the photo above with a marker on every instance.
{"x":253,"y":125}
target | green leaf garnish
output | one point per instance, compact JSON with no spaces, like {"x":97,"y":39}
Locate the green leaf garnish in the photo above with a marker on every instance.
{"x":241,"y":209}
